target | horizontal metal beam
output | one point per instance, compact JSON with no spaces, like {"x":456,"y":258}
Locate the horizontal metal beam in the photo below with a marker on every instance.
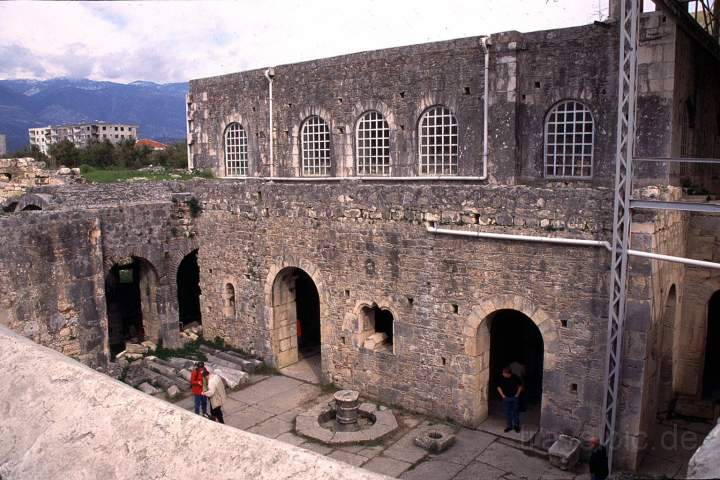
{"x":579,"y":242}
{"x":689,"y":25}
{"x":678,"y":160}
{"x":681,"y":206}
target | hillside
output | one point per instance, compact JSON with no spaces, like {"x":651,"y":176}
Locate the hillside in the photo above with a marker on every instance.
{"x":158,"y":109}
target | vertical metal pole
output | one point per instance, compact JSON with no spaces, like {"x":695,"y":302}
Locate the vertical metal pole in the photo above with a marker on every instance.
{"x":191,"y":164}
{"x":621,"y":217}
{"x":270,"y":135}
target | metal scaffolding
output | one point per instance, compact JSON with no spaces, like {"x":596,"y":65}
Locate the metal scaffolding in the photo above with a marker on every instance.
{"x":700,"y":24}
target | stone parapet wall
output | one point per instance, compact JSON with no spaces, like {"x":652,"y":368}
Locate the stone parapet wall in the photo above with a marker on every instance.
{"x":64,"y":420}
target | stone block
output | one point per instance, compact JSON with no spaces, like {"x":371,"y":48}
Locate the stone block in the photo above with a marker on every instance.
{"x":136,"y":348}
{"x":565,"y":452}
{"x":147,"y":388}
{"x":173,"y":392}
{"x":231,"y":378}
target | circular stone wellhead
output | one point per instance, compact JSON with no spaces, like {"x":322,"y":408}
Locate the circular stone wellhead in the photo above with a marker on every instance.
{"x":346,"y":406}
{"x":379,"y":423}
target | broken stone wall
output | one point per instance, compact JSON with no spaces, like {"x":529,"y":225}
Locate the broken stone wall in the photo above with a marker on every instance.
{"x":52,"y":282}
{"x":54,"y":265}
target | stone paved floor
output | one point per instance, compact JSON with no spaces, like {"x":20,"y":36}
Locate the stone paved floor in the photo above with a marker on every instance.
{"x":269,"y":405}
{"x":673,"y":443}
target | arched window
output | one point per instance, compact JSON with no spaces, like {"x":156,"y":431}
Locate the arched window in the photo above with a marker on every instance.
{"x":229,"y":301}
{"x":569,"y":141}
{"x":315,"y":146}
{"x":372,"y":145}
{"x":438,"y":142}
{"x":236,"y":151}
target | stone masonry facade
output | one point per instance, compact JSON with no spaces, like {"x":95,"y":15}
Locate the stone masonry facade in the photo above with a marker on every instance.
{"x":365,"y":243}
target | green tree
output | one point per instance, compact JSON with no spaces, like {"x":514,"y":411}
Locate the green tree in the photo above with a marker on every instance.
{"x":97,"y":154}
{"x":125,"y":155}
{"x":65,"y":153}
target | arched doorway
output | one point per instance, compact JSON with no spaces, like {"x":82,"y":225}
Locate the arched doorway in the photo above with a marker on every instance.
{"x":296,"y":316}
{"x":664,"y":390}
{"x":711,"y":371}
{"x":188,"y":290}
{"x":130,"y":290}
{"x":516,"y":342}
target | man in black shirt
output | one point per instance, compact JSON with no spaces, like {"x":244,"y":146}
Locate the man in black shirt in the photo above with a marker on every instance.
{"x":598,"y":460}
{"x":510,"y":388}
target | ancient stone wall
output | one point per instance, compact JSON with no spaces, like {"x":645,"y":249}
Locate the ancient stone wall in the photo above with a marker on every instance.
{"x":365,"y":244}
{"x":529,"y":73}
{"x":54,"y":265}
{"x":19,"y":174}
{"x":703,"y":244}
{"x":52,"y":288}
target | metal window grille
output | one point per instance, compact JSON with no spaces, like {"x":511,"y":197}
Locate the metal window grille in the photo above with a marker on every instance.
{"x":372,"y":145}
{"x":569,"y":137}
{"x":236,"y":151}
{"x":315,"y":141}
{"x":438,"y":142}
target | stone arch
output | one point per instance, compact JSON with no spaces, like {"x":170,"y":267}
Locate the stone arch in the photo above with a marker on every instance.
{"x":133,"y":310}
{"x":357,"y":326}
{"x":691,"y":336}
{"x":471,"y":399}
{"x":33,"y":201}
{"x":276,"y":330}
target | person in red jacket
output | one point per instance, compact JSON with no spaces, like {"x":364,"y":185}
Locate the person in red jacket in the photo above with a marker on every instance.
{"x":198,"y":384}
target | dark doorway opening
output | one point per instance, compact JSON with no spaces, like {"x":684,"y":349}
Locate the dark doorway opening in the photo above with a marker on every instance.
{"x":307,"y":304}
{"x":31,"y":208}
{"x":711,"y":372}
{"x":516,"y":342}
{"x":188,"y":290}
{"x":124,"y":309}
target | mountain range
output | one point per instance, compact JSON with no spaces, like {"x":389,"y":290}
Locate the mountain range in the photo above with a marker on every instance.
{"x":159,"y":109}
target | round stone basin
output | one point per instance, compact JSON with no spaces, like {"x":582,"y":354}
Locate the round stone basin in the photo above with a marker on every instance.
{"x":372,"y":424}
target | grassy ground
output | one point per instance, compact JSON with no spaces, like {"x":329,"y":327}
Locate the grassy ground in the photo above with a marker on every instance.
{"x":97,"y":175}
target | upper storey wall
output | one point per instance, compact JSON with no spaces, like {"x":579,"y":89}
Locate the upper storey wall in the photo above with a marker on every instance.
{"x":528,"y":75}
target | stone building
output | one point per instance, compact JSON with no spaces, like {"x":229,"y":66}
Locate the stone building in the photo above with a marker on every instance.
{"x":331,"y":245}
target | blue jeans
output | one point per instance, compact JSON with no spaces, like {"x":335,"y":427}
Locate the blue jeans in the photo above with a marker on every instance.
{"x":200,"y":403}
{"x":512,"y":411}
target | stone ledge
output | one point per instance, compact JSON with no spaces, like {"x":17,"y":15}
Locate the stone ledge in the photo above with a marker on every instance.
{"x":64,"y":420}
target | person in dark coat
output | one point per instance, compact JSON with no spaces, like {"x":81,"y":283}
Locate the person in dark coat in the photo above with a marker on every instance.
{"x":598,"y":460}
{"x":509,"y":387}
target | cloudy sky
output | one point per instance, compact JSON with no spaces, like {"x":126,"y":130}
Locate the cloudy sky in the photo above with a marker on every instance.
{"x":171,"y":41}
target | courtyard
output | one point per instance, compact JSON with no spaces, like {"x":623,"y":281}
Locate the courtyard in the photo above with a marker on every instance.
{"x":268,"y":406}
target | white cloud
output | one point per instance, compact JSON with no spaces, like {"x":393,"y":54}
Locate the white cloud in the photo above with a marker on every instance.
{"x":175,"y":41}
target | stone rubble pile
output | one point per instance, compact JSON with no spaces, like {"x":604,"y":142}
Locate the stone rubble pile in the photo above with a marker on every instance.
{"x":171,"y":377}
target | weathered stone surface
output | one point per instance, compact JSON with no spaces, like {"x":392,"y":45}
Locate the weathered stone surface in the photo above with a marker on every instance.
{"x":565,"y":452}
{"x":230,"y":377}
{"x":149,"y":389}
{"x":705,"y":463}
{"x":173,"y":392}
{"x":64,"y":420}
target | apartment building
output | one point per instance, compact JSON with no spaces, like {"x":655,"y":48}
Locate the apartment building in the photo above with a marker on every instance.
{"x":81,"y":134}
